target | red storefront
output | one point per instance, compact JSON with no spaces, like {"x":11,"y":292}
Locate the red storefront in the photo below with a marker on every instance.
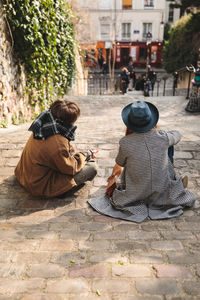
{"x":141,"y":53}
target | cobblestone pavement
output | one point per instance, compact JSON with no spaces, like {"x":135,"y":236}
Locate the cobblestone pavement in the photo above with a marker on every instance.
{"x":60,"y":249}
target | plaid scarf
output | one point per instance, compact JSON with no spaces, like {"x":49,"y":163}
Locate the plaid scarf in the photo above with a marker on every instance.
{"x":45,"y":125}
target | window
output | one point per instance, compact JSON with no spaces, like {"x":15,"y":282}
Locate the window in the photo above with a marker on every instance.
{"x":126,"y":30}
{"x":147,"y":28}
{"x":171,"y":14}
{"x":105,"y":32}
{"x":148,"y":3}
{"x":126,"y":4}
{"x":104,"y":4}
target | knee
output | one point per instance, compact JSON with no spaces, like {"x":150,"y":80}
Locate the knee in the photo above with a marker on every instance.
{"x":93,"y":172}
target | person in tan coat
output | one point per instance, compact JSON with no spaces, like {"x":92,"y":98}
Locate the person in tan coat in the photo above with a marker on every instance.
{"x":48,"y":166}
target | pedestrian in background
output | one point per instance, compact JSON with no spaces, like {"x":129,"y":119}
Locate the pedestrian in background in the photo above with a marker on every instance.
{"x":132,"y":75}
{"x":105,"y":68}
{"x":124,"y":76}
{"x":48,"y":165}
{"x":152,"y":76}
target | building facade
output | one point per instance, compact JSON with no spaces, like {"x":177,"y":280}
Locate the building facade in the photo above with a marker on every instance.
{"x":123,"y":29}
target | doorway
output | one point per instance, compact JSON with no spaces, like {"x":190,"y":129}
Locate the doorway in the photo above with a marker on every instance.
{"x":124,"y":56}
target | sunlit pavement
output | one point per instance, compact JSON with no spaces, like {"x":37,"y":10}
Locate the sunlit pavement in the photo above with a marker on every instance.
{"x":55,"y":249}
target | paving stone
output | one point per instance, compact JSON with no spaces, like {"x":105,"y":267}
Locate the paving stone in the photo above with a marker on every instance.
{"x":192,"y":288}
{"x":74,"y":286}
{"x":178,"y":235}
{"x":61,"y":245}
{"x":11,"y":153}
{"x":105,"y":219}
{"x":172,"y":271}
{"x":94,"y":226}
{"x":19,"y":246}
{"x":62,"y":226}
{"x":137,"y":297}
{"x":67,"y":259}
{"x":100,"y":245}
{"x":157,"y":286}
{"x":126,"y":226}
{"x":131,"y":270}
{"x":8,"y":256}
{"x":41,"y":234}
{"x":100,"y":181}
{"x":35,"y":257}
{"x":45,"y":271}
{"x":185,"y":297}
{"x":13,"y":286}
{"x":11,"y":270}
{"x":7,"y":171}
{"x":111,"y":286}
{"x":12,"y":235}
{"x":108,"y":257}
{"x":4,"y":297}
{"x":91,"y":296}
{"x":101,"y":172}
{"x":125,"y":246}
{"x":161,"y":225}
{"x":146,"y":258}
{"x":75,"y":235}
{"x":198,"y":270}
{"x":11,"y":162}
{"x":88,"y":271}
{"x":141,"y":235}
{"x":45,"y":297}
{"x":167,"y":245}
{"x":182,"y":155}
{"x":111,"y":235}
{"x":184,"y":258}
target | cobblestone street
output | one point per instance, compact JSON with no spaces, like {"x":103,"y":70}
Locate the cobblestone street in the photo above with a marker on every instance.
{"x":60,"y":249}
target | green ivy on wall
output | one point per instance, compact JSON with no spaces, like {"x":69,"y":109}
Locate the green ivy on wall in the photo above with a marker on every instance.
{"x":43,"y":38}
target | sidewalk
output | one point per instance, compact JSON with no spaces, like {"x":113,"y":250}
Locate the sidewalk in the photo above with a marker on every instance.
{"x":60,"y":249}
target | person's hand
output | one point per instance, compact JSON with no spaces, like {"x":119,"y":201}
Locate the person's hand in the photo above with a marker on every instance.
{"x":111,"y":185}
{"x":94,"y":152}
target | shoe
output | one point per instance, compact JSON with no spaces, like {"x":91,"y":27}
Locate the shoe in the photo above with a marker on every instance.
{"x":185,"y":181}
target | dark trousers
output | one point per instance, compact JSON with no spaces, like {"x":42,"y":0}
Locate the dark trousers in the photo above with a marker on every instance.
{"x":171,"y":153}
{"x":88,"y":173}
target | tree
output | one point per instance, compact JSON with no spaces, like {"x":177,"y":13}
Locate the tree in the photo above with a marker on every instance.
{"x":166,"y":31}
{"x":184,"y":5}
{"x":183,"y":45}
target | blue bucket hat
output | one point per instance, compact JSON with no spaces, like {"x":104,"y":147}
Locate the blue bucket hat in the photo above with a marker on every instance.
{"x":140,"y":116}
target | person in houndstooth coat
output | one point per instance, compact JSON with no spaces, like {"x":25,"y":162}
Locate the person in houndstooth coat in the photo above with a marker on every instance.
{"x":149,"y":186}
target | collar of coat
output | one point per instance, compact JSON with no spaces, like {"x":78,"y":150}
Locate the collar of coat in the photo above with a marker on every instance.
{"x":45,"y":125}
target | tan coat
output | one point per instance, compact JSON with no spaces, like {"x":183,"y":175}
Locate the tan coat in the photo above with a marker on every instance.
{"x":46,"y":167}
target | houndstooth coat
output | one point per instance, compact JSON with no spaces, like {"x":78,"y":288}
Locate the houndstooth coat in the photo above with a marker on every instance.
{"x":150,"y":186}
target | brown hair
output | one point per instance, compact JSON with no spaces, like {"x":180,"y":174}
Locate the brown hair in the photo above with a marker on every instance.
{"x":128,"y":131}
{"x":65,"y":110}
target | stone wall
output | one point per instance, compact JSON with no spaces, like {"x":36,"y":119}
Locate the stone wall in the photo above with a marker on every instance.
{"x":14,"y":106}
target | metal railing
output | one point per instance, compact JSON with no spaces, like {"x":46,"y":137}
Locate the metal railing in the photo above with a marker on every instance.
{"x":100,"y":84}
